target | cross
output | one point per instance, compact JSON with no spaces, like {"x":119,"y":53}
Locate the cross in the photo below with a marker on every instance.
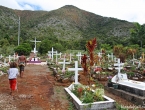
{"x":79,"y":56}
{"x":52,"y":52}
{"x":76,"y":69}
{"x":60,"y":54}
{"x":108,"y":56}
{"x":119,"y":65}
{"x":35,"y":45}
{"x":49,"y":55}
{"x":70,"y":56}
{"x":56,"y":56}
{"x":133,"y":59}
{"x":1,"y":56}
{"x":143,"y":56}
{"x":112,"y":56}
{"x":9,"y":58}
{"x":63,"y":63}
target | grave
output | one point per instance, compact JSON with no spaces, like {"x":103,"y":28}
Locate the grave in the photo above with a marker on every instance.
{"x":133,"y":91}
{"x":108,"y":104}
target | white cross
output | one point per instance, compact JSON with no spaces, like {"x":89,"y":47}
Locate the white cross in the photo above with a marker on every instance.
{"x":119,"y":65}
{"x":56,"y":56}
{"x":9,"y":58}
{"x":108,"y":56}
{"x":79,"y":56}
{"x":63,"y":63}
{"x":35,"y":45}
{"x":76,"y":69}
{"x":70,"y":56}
{"x":1,"y":56}
{"x":52,"y":52}
{"x":112,"y":56}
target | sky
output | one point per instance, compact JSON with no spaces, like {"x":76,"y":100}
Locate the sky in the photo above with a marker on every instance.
{"x":129,"y":10}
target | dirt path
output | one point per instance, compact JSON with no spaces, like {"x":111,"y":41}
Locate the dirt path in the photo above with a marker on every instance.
{"x":36,"y":91}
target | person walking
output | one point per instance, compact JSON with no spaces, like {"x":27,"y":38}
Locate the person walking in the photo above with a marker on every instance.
{"x":13,"y":72}
{"x":22,"y":63}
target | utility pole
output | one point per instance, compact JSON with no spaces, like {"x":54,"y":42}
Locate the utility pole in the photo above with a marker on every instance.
{"x":19,"y":31}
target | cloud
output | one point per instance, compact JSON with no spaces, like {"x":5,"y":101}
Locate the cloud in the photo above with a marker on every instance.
{"x":130,"y":10}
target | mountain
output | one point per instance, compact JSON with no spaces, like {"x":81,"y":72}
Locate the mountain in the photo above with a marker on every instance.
{"x":66,"y":23}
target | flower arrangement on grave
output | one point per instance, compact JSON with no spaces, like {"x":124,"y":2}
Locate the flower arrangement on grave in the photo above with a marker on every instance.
{"x":86,"y":94}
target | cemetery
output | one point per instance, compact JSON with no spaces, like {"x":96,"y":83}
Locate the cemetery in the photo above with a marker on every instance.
{"x":88,"y":77}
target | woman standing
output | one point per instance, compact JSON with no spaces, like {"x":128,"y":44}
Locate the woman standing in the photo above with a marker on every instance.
{"x":12,"y":76}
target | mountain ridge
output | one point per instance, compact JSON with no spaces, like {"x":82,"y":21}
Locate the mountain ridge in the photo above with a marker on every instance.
{"x":67,"y":23}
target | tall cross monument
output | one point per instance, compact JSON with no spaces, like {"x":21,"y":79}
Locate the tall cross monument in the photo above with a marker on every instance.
{"x":35,"y":45}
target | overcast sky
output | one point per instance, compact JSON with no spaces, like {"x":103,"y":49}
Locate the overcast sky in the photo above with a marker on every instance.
{"x":129,"y":10}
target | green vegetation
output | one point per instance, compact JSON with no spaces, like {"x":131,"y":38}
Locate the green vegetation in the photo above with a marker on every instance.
{"x":65,"y":28}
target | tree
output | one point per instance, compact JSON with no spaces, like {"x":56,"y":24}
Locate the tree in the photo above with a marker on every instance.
{"x":25,"y":48}
{"x":45,"y":46}
{"x":58,"y":47}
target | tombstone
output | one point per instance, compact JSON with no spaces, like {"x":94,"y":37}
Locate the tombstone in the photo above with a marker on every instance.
{"x":64,"y":62}
{"x":133,"y":89}
{"x":76,"y":69}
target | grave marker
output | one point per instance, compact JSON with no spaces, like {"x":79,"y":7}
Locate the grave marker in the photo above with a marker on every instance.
{"x":35,"y":45}
{"x":63,"y":63}
{"x":79,"y":55}
{"x":52,"y":52}
{"x":76,"y":69}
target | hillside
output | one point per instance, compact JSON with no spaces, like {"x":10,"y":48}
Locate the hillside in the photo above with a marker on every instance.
{"x":67,"y":23}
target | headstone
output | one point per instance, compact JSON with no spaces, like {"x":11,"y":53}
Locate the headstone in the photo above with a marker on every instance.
{"x":76,"y":69}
